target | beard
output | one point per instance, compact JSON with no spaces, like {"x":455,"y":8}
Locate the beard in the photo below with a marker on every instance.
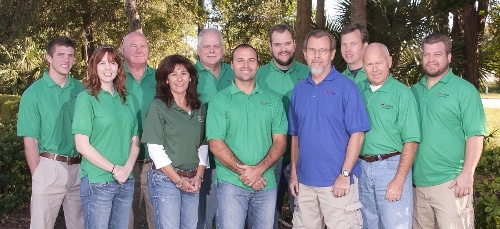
{"x":437,"y":72}
{"x":317,"y":70}
{"x":287,"y":62}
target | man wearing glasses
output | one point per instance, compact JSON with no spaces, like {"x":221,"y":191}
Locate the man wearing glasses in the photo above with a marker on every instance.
{"x":327,"y":121}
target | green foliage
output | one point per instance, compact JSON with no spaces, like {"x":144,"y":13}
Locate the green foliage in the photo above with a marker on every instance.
{"x":9,"y":105}
{"x":487,"y":189}
{"x":21,"y":64}
{"x":249,"y":22}
{"x":14,"y":173}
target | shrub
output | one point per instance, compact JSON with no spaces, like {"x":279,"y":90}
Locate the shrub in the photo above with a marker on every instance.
{"x":487,"y":189}
{"x":14,"y":173}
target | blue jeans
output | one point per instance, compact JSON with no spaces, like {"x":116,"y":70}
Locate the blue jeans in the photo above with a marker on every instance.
{"x":282,"y":174}
{"x":235,"y":203}
{"x":377,"y":211}
{"x":208,"y":200}
{"x":106,"y":204}
{"x":172,"y":207}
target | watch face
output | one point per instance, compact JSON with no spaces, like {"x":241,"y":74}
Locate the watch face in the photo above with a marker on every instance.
{"x":344,"y":173}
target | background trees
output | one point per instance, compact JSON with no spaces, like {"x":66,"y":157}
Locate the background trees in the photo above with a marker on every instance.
{"x":171,"y":27}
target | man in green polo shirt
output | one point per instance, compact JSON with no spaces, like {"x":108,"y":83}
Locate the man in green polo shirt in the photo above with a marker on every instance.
{"x":385,"y":184}
{"x":141,"y":87}
{"x":45,"y":115}
{"x":279,"y":76}
{"x":453,"y":127}
{"x":246,"y":129}
{"x":353,"y":40}
{"x":213,"y":76}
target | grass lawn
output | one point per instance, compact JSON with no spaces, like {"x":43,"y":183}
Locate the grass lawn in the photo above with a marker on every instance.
{"x":493,"y":123}
{"x":490,"y":96}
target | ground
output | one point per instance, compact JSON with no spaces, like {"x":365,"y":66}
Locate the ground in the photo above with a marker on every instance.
{"x":22,"y":220}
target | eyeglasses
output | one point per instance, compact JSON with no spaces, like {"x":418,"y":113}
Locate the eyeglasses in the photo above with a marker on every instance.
{"x":321,"y":51}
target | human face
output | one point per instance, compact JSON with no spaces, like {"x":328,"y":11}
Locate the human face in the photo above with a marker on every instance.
{"x":435,"y":61}
{"x":107,"y":69}
{"x":179,"y":80}
{"x":135,"y":49}
{"x":211,"y":50}
{"x":282,"y":48}
{"x":377,"y":64}
{"x":319,"y":64}
{"x":61,"y":60}
{"x":351,"y":48}
{"x":244,"y":64}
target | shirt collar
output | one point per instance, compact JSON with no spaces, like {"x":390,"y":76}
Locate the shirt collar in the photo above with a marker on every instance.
{"x":233,"y":89}
{"x":332,"y":75}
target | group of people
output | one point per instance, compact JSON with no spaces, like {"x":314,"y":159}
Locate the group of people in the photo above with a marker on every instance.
{"x":215,"y":141}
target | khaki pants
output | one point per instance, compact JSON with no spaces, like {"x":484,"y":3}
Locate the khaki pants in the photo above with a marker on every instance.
{"x":141,"y":194}
{"x":437,"y":207}
{"x":55,"y":183}
{"x":316,"y":207}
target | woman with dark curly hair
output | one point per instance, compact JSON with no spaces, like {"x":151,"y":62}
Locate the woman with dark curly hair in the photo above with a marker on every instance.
{"x":105,"y":129}
{"x":175,"y":134}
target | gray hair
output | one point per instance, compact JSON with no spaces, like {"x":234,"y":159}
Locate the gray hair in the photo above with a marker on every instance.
{"x":209,"y":30}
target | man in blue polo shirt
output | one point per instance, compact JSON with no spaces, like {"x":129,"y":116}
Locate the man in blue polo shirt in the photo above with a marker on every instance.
{"x":327,"y":121}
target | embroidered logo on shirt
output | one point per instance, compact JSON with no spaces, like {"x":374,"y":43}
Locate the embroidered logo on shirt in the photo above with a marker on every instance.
{"x":72,"y":96}
{"x":152,"y":85}
{"x":328,"y":92}
{"x":262,"y":102}
{"x":441,"y":94}
{"x":386,"y":106}
{"x":201,"y":118}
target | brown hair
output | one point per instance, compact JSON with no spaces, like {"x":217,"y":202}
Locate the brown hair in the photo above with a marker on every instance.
{"x":436,"y":38}
{"x":166,"y":67}
{"x":280,"y":28}
{"x":353,"y":27}
{"x":92,"y":80}
{"x":319,"y":34}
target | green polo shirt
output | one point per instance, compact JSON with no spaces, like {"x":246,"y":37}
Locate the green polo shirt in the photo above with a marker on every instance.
{"x":45,"y":113}
{"x":393,"y":117}
{"x":141,"y":92}
{"x":450,"y":112}
{"x":110,"y":125}
{"x":281,"y":84}
{"x":209,"y":85}
{"x":246,"y":124}
{"x":359,"y":77}
{"x":180,"y":133}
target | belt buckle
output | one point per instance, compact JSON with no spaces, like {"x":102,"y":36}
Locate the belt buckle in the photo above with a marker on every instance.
{"x":67,"y":158}
{"x":379,"y":157}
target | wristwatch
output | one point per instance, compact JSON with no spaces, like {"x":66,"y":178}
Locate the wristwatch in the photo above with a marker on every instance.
{"x":345,"y":173}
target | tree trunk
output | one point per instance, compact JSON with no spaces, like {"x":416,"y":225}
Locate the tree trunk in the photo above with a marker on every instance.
{"x":303,"y":26}
{"x":358,"y":11}
{"x":473,"y":25}
{"x":88,"y":45}
{"x":201,"y":26}
{"x":133,"y":16}
{"x":320,"y":14}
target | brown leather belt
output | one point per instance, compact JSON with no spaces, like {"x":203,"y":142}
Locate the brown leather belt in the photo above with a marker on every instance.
{"x":144,"y":161}
{"x":183,"y":173}
{"x":379,"y":157}
{"x":62,"y":158}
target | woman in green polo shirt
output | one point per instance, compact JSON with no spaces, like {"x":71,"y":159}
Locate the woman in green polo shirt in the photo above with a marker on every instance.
{"x":175,"y":134}
{"x":105,"y":129}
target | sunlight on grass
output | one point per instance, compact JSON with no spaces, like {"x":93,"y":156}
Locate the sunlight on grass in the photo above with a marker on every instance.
{"x":490,"y":96}
{"x":492,"y":124}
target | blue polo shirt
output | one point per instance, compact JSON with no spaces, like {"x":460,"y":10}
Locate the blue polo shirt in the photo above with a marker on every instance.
{"x":324,"y":116}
